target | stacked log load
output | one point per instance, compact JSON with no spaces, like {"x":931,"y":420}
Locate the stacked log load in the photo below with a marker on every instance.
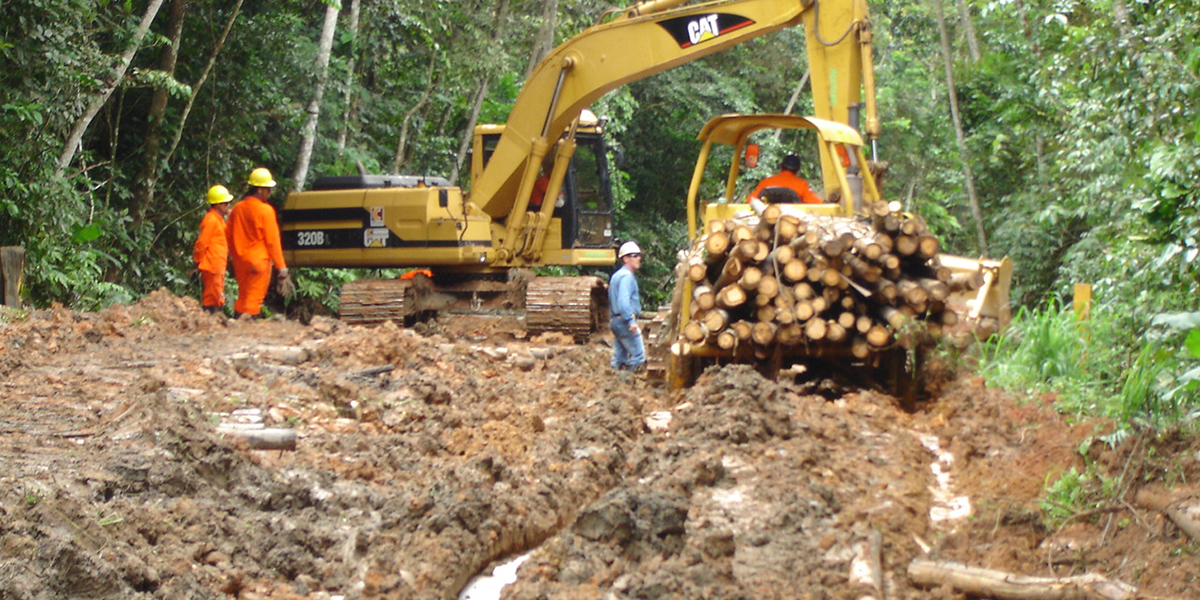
{"x":819,"y":284}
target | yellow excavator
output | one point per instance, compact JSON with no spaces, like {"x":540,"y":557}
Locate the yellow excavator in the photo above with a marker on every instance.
{"x":475,"y":251}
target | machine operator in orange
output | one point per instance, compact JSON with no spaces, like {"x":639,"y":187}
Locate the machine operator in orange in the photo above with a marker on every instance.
{"x":254,"y":244}
{"x":788,"y":179}
{"x":211,"y":252}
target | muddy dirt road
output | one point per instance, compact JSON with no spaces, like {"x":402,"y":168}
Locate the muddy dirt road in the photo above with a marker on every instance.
{"x":425,"y":456}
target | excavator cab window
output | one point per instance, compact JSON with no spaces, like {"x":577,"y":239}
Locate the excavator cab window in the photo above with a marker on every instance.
{"x":587,"y":212}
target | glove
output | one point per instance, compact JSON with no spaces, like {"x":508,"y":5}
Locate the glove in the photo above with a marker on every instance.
{"x":286,"y":287}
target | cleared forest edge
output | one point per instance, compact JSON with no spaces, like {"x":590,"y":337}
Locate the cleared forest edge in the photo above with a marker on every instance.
{"x":115,"y":481}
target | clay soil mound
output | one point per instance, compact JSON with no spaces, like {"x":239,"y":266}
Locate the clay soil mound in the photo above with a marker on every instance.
{"x":425,"y":456}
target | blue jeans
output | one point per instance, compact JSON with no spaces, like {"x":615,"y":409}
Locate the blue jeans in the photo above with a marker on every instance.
{"x":629,"y":352}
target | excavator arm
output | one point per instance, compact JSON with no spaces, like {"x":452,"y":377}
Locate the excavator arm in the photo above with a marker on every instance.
{"x":654,"y":36}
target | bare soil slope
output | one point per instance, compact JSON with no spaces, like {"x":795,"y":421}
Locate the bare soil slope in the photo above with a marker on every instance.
{"x":423,"y":457}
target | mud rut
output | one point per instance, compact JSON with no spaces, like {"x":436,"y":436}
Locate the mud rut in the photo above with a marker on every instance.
{"x":478,"y":444}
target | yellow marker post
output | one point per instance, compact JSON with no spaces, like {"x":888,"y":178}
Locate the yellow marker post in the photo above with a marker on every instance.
{"x":1082,"y":301}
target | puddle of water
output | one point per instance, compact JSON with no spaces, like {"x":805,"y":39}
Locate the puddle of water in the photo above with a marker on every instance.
{"x":946,"y":506}
{"x":487,"y":587}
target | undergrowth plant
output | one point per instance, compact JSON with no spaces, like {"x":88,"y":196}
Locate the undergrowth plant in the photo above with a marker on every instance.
{"x":1098,"y":367}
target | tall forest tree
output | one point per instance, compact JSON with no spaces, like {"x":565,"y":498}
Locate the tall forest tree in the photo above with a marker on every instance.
{"x":308,"y":134}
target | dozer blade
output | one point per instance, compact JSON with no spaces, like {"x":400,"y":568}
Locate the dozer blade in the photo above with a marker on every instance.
{"x":985,"y":308}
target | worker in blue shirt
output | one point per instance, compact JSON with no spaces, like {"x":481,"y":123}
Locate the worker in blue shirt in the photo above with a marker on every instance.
{"x":629,"y":351}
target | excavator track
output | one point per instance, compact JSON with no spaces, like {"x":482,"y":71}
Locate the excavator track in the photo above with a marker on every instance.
{"x":371,"y":301}
{"x":576,"y":306}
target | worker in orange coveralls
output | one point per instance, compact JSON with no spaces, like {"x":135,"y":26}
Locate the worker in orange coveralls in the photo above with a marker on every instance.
{"x":211,"y":252}
{"x":254,"y":244}
{"x":788,"y":179}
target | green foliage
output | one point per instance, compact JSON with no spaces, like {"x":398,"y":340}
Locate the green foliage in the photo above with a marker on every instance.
{"x":1146,"y":380}
{"x":1073,"y":493}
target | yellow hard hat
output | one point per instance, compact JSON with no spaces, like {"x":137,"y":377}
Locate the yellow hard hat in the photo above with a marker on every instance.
{"x":217,"y":194}
{"x":261,"y":177}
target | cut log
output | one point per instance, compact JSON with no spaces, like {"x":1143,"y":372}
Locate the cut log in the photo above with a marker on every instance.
{"x":787,"y":228}
{"x":750,"y":278}
{"x":937,"y":290}
{"x":815,"y":329}
{"x":927,"y":246}
{"x":740,"y":233}
{"x":763,"y":333}
{"x":761,"y":251}
{"x":803,"y":291}
{"x":716,"y":319}
{"x":847,"y":320}
{"x":1184,"y":511}
{"x":768,"y":286}
{"x":697,"y":271}
{"x":780,"y":256}
{"x":262,"y":439}
{"x":790,"y":334}
{"x":745,"y":250}
{"x":730,"y":297}
{"x":966,"y":281}
{"x":771,"y":214}
{"x":804,"y":311}
{"x":741,"y":329}
{"x":695,"y":332}
{"x":716,"y":245}
{"x":703,"y":297}
{"x":834,"y":332}
{"x":794,"y":270}
{"x":860,"y":348}
{"x":727,"y":340}
{"x":878,"y":336}
{"x":989,"y":583}
{"x":766,"y":312}
{"x":731,"y":272}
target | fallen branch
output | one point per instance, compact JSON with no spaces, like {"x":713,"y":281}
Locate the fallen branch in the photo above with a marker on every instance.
{"x":1184,"y":511}
{"x":990,"y":583}
{"x":373,"y":371}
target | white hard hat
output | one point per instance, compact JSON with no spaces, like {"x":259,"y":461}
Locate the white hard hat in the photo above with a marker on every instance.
{"x":628,"y":248}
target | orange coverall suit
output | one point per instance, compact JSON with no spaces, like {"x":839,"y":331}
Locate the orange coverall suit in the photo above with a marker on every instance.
{"x":211,"y":254}
{"x":788,"y":179}
{"x":253,"y":244}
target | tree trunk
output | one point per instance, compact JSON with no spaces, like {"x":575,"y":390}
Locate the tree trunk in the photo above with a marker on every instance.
{"x":348,"y":106}
{"x":964,"y":13}
{"x":147,"y":179}
{"x":1121,"y":17}
{"x":545,"y":39}
{"x":399,"y":159}
{"x":212,"y":60}
{"x":952,"y":92}
{"x":465,"y":143}
{"x":308,"y":135}
{"x":81,"y":124}
{"x":469,"y":135}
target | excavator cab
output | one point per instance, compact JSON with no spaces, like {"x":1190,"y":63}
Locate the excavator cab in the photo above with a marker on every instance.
{"x":583,"y":211}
